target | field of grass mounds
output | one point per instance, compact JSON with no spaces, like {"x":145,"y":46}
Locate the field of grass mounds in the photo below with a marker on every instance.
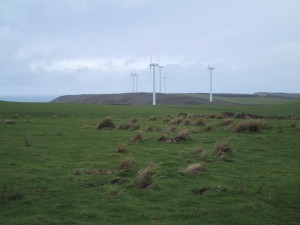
{"x":112,"y":164}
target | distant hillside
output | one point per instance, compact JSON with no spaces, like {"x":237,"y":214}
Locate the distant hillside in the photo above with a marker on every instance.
{"x":137,"y":99}
{"x":279,"y":95}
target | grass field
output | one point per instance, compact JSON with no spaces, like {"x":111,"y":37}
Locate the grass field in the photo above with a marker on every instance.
{"x":57,"y":168}
{"x":250,"y":100}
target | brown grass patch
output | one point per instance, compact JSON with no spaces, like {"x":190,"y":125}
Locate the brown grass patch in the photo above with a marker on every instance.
{"x":194,"y":169}
{"x":251,"y":126}
{"x":134,"y":126}
{"x":199,"y":151}
{"x":226,"y":122}
{"x":199,"y":122}
{"x":126,"y":164}
{"x":121,"y":148}
{"x":9,"y":122}
{"x":138,"y":137}
{"x":152,"y":118}
{"x":124,"y":126}
{"x":106,"y":123}
{"x":222,"y":148}
{"x":208,"y":127}
{"x":182,"y":135}
{"x":145,"y":177}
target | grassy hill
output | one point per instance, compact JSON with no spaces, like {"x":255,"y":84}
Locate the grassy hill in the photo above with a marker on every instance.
{"x":58,"y":168}
{"x":173,"y":99}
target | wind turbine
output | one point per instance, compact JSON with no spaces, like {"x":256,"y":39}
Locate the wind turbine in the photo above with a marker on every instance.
{"x":165,"y":79}
{"x":160,"y":67}
{"x":136,"y":80}
{"x":210,"y":70}
{"x":152,"y":66}
{"x":133,"y":75}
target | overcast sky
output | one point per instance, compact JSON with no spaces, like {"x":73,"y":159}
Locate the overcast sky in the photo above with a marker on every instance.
{"x":58,"y":47}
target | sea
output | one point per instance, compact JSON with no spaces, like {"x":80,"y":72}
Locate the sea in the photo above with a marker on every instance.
{"x":27,"y":98}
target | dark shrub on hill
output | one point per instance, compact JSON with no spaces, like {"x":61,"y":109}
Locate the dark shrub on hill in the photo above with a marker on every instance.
{"x":106,"y":123}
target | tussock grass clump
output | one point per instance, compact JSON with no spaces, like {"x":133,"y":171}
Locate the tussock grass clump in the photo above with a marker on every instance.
{"x":145,"y":177}
{"x":166,"y":119}
{"x":152,"y":118}
{"x":293,"y":125}
{"x":121,"y":148}
{"x":106,"y":123}
{"x":138,"y":137}
{"x":251,"y":126}
{"x":151,"y":128}
{"x":199,"y":122}
{"x":222,"y":148}
{"x":134,"y":126}
{"x":126,"y":164}
{"x":215,"y":116}
{"x":15,"y":116}
{"x":177,"y":120}
{"x":208,"y":127}
{"x":194,"y":169}
{"x":9,"y":122}
{"x":124,"y":126}
{"x":182,"y":135}
{"x":182,"y":114}
{"x":53,"y":116}
{"x":199,"y":151}
{"x":135,"y":120}
{"x":226,"y":122}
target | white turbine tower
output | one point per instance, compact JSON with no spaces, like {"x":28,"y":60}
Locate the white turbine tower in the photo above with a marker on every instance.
{"x":152,"y":66}
{"x":160,"y":67}
{"x":210,"y":70}
{"x":165,"y":83}
{"x":136,"y":80}
{"x":133,"y":75}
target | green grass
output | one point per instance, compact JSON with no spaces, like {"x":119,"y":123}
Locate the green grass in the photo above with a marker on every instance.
{"x":253,"y":100}
{"x":257,"y":183}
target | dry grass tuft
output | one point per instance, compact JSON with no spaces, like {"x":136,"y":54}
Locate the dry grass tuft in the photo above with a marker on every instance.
{"x":251,"y":126}
{"x":106,"y":123}
{"x":177,"y":120}
{"x":194,"y":169}
{"x":208,"y":127}
{"x":222,"y":148}
{"x":145,"y":177}
{"x":134,"y":126}
{"x":124,"y":126}
{"x":199,"y":151}
{"x":121,"y":148}
{"x":166,"y":119}
{"x":227,"y":122}
{"x":126,"y":164}
{"x":135,"y":120}
{"x":9,"y":122}
{"x":53,"y":116}
{"x":182,"y":135}
{"x":199,"y":122}
{"x":15,"y":116}
{"x":152,"y":118}
{"x":138,"y":137}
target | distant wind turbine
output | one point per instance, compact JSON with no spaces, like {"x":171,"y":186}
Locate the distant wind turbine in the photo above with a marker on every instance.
{"x":160,"y":67}
{"x":165,"y":82}
{"x":210,"y":70}
{"x":136,"y":80}
{"x":132,"y":74}
{"x":152,"y":66}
